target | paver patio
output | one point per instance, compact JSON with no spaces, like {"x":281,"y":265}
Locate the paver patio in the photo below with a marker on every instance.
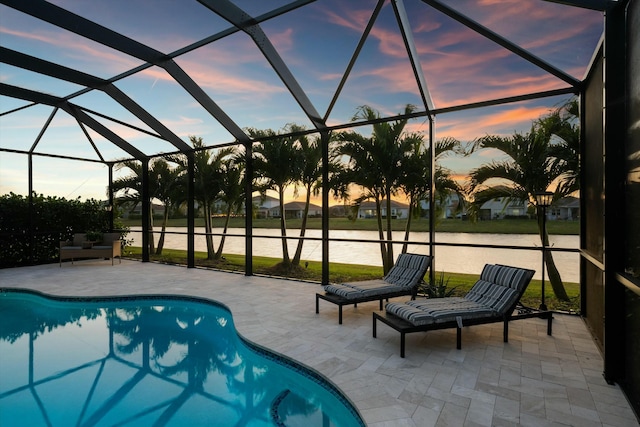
{"x":533,"y":380}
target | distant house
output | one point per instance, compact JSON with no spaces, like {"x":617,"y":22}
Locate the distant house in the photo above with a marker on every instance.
{"x":502,"y":207}
{"x":398,"y":210}
{"x":294,"y":210}
{"x":136,"y":211}
{"x":262,"y":207}
{"x":449,"y":208}
{"x":567,"y":208}
{"x":339,"y":211}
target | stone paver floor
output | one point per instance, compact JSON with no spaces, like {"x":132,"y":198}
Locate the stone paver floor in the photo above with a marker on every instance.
{"x":533,"y":380}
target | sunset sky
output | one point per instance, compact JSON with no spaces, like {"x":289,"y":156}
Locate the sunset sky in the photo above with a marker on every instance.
{"x":316,"y":42}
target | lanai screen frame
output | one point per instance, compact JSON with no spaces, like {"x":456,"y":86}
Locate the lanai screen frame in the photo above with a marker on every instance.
{"x":250,"y":25}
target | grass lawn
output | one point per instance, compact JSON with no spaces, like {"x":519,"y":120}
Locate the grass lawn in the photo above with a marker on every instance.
{"x":461,"y":283}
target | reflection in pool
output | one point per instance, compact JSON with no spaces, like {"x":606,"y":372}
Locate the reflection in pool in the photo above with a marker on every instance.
{"x":149,"y":361}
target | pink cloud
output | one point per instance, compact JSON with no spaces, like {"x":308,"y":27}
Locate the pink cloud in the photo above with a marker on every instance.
{"x":283,"y":40}
{"x":390,"y":42}
{"x":426,"y":25}
{"x":460,"y":66}
{"x":546,"y":26}
{"x":465,"y":129}
{"x":226,"y":80}
{"x":493,"y":89}
{"x":501,"y":14}
{"x":222,"y":68}
{"x":398,"y":76}
{"x":354,"y":19}
{"x":79,"y":49}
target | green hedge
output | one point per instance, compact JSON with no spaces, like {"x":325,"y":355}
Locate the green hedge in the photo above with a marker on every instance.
{"x":32,"y":236}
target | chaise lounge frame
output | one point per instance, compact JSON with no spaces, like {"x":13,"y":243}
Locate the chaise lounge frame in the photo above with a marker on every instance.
{"x":409,"y":289}
{"x":405,"y":327}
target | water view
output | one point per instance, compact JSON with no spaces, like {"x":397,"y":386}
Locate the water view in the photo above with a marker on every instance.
{"x":447,"y":258}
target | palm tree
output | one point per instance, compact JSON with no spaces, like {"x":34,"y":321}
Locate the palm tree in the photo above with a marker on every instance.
{"x":233,"y":192}
{"x":208,"y":182}
{"x":541,"y":158}
{"x":375,"y":165}
{"x":563,"y":127}
{"x":132,"y":187}
{"x":310,"y":174}
{"x":169,"y":190}
{"x":360,"y":170}
{"x":415,"y":181}
{"x":277,"y":164}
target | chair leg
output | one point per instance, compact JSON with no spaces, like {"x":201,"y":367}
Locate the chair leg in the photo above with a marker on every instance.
{"x":459,"y":332}
{"x":374,"y":327}
{"x":340,"y":315}
{"x":505,"y":332}
{"x":402,"y":342}
{"x":549,"y":321}
{"x":381,"y":304}
{"x":317,"y":304}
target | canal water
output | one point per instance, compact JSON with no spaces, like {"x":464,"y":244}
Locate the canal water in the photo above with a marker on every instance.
{"x":447,"y":258}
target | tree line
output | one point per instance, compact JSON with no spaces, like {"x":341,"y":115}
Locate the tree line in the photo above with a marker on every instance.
{"x":391,"y":162}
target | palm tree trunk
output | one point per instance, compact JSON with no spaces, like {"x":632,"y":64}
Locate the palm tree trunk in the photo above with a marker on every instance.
{"x":163,"y":230}
{"x":389,"y":262}
{"x":303,"y":228}
{"x":151,"y":245}
{"x":383,"y":247}
{"x":407,"y":228}
{"x":552,"y":270}
{"x":224,"y":232}
{"x":208,"y":229}
{"x":283,"y":229}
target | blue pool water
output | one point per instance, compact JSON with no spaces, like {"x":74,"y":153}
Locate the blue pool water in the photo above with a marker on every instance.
{"x":149,"y":361}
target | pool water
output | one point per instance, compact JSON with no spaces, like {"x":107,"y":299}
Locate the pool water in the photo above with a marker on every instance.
{"x":149,"y":361}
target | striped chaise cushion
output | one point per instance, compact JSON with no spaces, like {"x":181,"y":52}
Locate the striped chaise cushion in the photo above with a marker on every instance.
{"x":408,"y":270}
{"x":403,"y":276}
{"x":499,"y":287}
{"x":496,"y":292}
{"x":438,"y":310}
{"x":362,"y":289}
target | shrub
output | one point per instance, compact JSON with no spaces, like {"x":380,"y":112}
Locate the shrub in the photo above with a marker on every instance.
{"x":31,"y":233}
{"x":439,"y":289}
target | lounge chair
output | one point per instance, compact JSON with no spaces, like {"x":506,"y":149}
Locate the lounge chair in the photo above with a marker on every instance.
{"x":403,"y":279}
{"x":493,"y":298}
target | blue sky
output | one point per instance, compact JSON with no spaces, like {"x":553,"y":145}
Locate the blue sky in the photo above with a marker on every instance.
{"x":316,"y":42}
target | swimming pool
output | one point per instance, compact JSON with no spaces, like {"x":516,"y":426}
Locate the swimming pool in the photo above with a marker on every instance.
{"x":149,"y":361}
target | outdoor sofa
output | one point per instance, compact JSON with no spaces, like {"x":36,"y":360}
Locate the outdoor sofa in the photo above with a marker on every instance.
{"x":403,"y":279}
{"x":109,"y":247}
{"x":493,"y":298}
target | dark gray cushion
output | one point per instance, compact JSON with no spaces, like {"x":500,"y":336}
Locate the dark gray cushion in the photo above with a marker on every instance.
{"x":512,"y":277}
{"x":494,"y":294}
{"x":439,"y":310}
{"x":362,"y":289}
{"x":406,"y":273}
{"x":408,"y":270}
